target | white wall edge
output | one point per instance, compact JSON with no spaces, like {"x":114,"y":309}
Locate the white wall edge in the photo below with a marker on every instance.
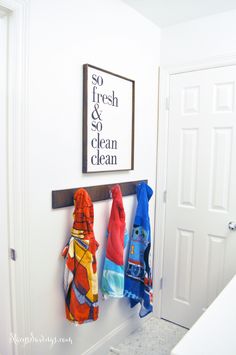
{"x":161,"y":186}
{"x":162,"y":153}
{"x":18,"y":19}
{"x":155,"y":268}
{"x":116,"y":336}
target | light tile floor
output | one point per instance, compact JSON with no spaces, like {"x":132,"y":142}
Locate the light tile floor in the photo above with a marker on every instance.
{"x":156,"y":336}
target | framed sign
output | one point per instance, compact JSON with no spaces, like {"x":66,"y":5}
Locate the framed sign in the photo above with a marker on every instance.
{"x":108,"y":121}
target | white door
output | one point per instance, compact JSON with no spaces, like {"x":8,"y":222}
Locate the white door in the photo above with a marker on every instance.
{"x":5,"y":304}
{"x":200,"y":250}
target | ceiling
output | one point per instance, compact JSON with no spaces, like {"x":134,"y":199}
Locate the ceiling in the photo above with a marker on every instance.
{"x":170,"y":12}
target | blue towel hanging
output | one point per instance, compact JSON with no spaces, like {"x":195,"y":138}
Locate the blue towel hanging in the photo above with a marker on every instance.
{"x":138,"y":278}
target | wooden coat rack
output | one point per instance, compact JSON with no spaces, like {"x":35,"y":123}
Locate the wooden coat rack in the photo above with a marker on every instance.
{"x":64,"y":198}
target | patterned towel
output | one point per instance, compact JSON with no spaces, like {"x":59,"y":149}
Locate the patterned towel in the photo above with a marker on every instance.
{"x":138,"y":279}
{"x":113,"y":272}
{"x":80,"y":276}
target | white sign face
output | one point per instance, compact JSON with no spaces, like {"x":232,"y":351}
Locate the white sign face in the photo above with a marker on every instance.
{"x":108,"y":122}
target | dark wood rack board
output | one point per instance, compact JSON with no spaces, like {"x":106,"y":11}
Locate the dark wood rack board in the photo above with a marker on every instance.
{"x":64,"y":198}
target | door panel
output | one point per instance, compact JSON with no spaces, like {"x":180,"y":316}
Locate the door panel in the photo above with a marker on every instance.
{"x":201,"y":193}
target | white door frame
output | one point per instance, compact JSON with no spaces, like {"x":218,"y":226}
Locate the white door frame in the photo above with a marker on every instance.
{"x":17,"y":155}
{"x":5,"y":306}
{"x":162,"y":156}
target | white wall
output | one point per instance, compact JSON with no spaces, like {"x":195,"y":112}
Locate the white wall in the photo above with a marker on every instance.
{"x":195,"y":41}
{"x":63,"y":36}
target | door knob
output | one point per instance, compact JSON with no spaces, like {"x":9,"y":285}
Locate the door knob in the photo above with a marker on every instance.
{"x":232,"y":226}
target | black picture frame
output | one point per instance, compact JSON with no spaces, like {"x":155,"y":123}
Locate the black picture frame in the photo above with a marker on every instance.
{"x":108,"y":121}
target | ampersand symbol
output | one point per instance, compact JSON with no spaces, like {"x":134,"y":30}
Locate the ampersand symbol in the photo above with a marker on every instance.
{"x":95,"y":114}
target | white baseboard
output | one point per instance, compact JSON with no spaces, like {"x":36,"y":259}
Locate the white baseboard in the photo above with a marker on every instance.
{"x":116,"y":336}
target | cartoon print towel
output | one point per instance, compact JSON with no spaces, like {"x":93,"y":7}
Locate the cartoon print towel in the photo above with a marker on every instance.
{"x":80,"y":275}
{"x":113,"y":272}
{"x":138,"y":278}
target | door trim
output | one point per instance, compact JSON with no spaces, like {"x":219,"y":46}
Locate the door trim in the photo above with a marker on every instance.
{"x":162,"y":157}
{"x":4,"y":233}
{"x":17,"y":146}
